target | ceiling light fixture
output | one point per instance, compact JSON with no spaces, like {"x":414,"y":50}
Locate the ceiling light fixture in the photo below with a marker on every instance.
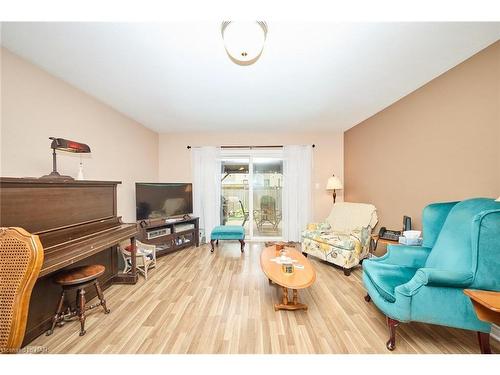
{"x":244,"y":41}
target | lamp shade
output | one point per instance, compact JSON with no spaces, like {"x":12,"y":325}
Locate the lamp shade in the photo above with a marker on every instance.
{"x":62,"y":144}
{"x":334,"y":183}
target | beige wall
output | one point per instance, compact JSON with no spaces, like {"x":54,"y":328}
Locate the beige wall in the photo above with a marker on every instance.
{"x":175,"y":158}
{"x":440,"y":143}
{"x":36,"y":105}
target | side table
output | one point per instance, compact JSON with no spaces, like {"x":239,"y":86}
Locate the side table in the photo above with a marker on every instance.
{"x":487,"y":306}
{"x":375,"y":240}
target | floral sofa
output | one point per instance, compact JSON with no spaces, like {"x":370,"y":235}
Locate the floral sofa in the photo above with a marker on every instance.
{"x":344,"y":237}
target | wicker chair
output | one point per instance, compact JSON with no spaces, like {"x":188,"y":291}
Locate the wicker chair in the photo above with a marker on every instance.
{"x":21,"y":258}
{"x":145,"y":258}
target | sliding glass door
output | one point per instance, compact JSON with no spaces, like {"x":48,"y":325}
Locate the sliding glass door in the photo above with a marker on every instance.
{"x":251,"y":186}
{"x":267,"y":183}
{"x":235,"y":188}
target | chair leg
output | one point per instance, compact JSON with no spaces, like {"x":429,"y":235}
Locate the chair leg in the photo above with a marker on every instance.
{"x":100,"y":295}
{"x":484,"y":342}
{"x":80,"y":297}
{"x":212,"y":245}
{"x":392,"y":324}
{"x":126,"y":267}
{"x":242,"y":243}
{"x":57,"y":317}
{"x":347,"y":271}
{"x":368,"y":298}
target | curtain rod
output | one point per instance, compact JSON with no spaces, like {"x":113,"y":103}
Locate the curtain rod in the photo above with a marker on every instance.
{"x":271,"y":146}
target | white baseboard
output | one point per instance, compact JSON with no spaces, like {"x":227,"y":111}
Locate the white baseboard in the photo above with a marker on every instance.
{"x":495,"y":332}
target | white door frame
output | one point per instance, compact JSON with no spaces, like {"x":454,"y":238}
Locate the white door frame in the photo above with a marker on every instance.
{"x":251,"y":154}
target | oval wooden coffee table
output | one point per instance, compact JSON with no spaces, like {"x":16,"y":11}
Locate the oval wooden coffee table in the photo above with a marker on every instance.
{"x":299,"y":279}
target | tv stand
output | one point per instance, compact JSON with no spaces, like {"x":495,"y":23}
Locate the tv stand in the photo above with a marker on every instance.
{"x":169,"y":235}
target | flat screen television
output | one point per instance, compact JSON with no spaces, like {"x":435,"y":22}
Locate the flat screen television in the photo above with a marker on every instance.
{"x":157,"y":200}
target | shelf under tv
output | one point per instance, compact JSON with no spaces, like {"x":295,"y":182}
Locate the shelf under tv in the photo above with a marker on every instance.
{"x":173,"y":241}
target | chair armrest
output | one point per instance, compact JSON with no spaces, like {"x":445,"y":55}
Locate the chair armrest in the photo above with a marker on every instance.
{"x":323,"y":226}
{"x":403,"y":255}
{"x":145,"y":246}
{"x":437,"y":277}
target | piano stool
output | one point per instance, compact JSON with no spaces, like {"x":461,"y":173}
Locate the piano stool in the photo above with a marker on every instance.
{"x":78,"y":278}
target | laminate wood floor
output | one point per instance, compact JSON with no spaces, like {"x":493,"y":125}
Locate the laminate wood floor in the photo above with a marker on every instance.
{"x":198,"y":302}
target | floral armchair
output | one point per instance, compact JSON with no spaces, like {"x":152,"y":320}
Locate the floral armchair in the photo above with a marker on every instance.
{"x":343,"y":238}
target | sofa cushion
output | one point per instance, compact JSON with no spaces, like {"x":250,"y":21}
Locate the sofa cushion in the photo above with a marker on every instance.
{"x":386,"y":277}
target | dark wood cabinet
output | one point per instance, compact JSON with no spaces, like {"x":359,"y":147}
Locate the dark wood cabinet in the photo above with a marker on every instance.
{"x":169,"y":236}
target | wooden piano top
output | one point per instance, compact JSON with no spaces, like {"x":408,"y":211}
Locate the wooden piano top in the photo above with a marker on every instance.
{"x":38,"y":204}
{"x":54,"y":181}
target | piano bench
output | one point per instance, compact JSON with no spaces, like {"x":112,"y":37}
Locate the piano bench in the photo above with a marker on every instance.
{"x":78,"y":278}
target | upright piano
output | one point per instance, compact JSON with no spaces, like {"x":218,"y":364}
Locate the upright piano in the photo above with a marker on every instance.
{"x":77,"y":224}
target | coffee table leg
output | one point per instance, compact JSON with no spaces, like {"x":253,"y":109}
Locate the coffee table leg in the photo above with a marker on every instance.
{"x":287,"y":305}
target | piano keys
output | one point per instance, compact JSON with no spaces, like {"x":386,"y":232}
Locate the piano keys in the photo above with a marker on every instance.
{"x":77,"y":224}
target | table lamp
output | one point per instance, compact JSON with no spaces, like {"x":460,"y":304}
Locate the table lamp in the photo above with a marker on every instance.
{"x":64,"y":145}
{"x":334,"y":183}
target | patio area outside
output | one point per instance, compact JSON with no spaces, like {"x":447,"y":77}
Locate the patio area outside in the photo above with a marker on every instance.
{"x":267,"y":194}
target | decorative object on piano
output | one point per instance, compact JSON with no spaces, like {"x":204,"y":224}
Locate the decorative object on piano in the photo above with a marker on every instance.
{"x":80,"y":177}
{"x":145,"y":258}
{"x":21,"y":257}
{"x":68,"y":146}
{"x":78,"y":278}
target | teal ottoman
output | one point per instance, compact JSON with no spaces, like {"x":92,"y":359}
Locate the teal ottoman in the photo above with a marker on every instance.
{"x":227,"y":232}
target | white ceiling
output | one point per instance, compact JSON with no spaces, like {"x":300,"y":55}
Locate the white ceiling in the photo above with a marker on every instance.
{"x":315,"y":76}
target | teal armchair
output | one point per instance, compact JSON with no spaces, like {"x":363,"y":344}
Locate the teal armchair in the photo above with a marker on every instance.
{"x":461,"y":249}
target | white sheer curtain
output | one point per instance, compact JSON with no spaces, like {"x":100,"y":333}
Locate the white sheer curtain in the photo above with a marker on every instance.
{"x":206,"y":167}
{"x":297,"y":168}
